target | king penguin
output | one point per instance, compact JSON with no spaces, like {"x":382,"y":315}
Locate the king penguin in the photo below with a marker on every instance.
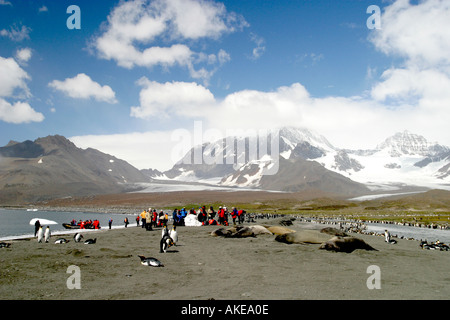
{"x":90,"y":241}
{"x":165,"y":243}
{"x":40,"y":235}
{"x":165,"y":232}
{"x":151,"y":262}
{"x":174,"y":235}
{"x":77,"y":237}
{"x":47,"y":234}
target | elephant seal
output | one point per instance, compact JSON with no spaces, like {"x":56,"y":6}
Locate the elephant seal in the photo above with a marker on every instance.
{"x":334,"y":232}
{"x":279,"y":230}
{"x":244,"y":232}
{"x":221,"y":232}
{"x":303,"y":237}
{"x":345,"y":244}
{"x":257,"y":230}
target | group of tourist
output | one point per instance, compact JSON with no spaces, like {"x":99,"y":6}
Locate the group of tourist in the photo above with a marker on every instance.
{"x":208,"y":216}
{"x":150,"y":218}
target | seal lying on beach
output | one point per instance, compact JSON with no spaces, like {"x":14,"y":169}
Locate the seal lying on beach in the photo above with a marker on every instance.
{"x":334,"y":232}
{"x":221,"y":232}
{"x":279,"y":230}
{"x":243,"y":232}
{"x":345,"y":244}
{"x":257,"y":230}
{"x":234,"y":232}
{"x":303,"y":237}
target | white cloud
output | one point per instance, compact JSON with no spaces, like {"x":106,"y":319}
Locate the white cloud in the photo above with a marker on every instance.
{"x":419,"y":33}
{"x":19,"y":112}
{"x":13,"y":85}
{"x":414,"y":95}
{"x":43,"y":9}
{"x":134,"y":26}
{"x":5,"y":3}
{"x":130,"y":146}
{"x":15,"y":33}
{"x":162,"y":100}
{"x":23,"y":55}
{"x":12,"y":77}
{"x":83,"y":87}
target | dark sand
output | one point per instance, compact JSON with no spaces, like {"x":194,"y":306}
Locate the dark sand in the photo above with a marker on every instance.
{"x":204,"y":267}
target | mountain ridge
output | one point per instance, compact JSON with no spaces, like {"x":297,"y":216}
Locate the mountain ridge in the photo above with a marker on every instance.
{"x":53,"y":167}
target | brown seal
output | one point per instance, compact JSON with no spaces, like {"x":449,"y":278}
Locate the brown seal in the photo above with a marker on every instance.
{"x":279,"y":230}
{"x":334,"y":232}
{"x":345,"y":244}
{"x":303,"y":237}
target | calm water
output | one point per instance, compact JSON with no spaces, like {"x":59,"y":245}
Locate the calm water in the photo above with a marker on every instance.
{"x":14,"y":223}
{"x":431,"y":235}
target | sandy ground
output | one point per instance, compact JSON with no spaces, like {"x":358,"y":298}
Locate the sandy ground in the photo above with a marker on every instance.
{"x":204,"y":267}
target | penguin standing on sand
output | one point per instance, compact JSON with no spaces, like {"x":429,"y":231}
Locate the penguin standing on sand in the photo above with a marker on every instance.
{"x":165,"y":243}
{"x":47,"y":234}
{"x":174,"y":235}
{"x":165,"y":232}
{"x":40,"y":234}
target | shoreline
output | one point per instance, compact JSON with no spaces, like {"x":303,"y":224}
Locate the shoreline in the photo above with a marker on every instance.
{"x":203,"y":267}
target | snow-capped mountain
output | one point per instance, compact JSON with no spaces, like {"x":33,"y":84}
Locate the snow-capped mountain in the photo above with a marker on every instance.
{"x":403,"y":159}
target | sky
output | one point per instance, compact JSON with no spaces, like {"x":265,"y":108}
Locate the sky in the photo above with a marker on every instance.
{"x":135,"y":79}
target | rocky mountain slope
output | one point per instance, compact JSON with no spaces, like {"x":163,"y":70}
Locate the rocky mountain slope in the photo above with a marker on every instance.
{"x":53,"y":167}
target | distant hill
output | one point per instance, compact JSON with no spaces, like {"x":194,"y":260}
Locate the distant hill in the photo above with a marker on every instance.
{"x":53,"y":167}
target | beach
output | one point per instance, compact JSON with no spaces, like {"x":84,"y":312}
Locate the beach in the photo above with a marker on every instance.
{"x":203,"y":267}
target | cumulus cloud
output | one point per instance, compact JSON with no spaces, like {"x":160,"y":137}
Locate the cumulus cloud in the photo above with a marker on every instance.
{"x":83,"y":87}
{"x":13,"y":85}
{"x":23,"y":55}
{"x":19,"y":112}
{"x":420,"y":33}
{"x":133,"y":27}
{"x":129,"y":146}
{"x":162,"y":100}
{"x":413,"y":94}
{"x":13,"y":79}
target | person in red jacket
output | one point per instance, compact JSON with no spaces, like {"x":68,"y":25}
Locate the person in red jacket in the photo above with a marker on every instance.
{"x":241,"y":214}
{"x":221,"y":214}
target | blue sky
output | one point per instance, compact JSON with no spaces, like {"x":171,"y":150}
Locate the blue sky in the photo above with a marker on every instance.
{"x":138,"y":70}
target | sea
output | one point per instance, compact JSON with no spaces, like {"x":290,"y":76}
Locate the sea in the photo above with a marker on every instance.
{"x":15,"y":224}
